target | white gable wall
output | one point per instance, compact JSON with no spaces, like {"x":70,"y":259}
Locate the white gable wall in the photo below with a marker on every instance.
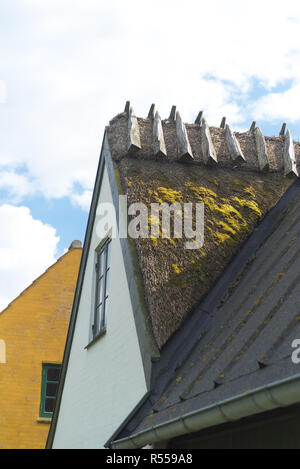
{"x":104,"y":383}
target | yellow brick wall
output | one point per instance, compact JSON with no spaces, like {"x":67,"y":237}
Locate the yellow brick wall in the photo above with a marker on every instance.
{"x":34,"y":328}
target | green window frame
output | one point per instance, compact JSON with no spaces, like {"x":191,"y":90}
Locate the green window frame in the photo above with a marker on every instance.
{"x":102,"y":283}
{"x":50,"y":380}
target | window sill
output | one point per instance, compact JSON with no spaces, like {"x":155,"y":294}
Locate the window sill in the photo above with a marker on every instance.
{"x":44,"y":420}
{"x":96,"y":338}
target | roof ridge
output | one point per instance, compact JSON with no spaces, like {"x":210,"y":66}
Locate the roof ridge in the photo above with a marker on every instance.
{"x":198,"y":143}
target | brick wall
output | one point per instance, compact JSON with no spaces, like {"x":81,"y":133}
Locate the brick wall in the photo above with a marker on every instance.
{"x":34,"y":329}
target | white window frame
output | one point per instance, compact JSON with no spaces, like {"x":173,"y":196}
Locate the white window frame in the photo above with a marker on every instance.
{"x":102,"y":269}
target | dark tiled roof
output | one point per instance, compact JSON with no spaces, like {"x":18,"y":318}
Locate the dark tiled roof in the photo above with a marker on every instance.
{"x":242,"y":342}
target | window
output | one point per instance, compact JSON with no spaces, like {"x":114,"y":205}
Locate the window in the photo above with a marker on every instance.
{"x":102,"y":281}
{"x":50,"y":379}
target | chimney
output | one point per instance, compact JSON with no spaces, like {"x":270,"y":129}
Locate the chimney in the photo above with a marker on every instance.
{"x":75,"y":245}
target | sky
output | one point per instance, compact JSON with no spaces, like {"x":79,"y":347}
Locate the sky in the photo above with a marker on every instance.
{"x":67,"y":67}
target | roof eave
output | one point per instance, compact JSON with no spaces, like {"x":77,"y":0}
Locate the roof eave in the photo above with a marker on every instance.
{"x":273,"y":396}
{"x":148,"y":347}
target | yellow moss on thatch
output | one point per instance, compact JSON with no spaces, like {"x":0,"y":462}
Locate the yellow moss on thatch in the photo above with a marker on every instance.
{"x":176,"y":269}
{"x":223,"y":237}
{"x":200,"y":192}
{"x":227,"y":210}
{"x":170,"y":195}
{"x":250,"y":191}
{"x":225,"y":227}
{"x":250,"y":204}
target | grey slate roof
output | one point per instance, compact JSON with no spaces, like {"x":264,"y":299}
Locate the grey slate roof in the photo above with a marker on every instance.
{"x":239,"y":338}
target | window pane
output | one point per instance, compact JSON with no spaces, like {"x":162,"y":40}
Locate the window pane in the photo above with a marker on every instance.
{"x":49,"y":405}
{"x":100,"y":291}
{"x":53,"y":374}
{"x":108,"y":254}
{"x":102,"y":263}
{"x":99,"y":317}
{"x":105,"y":309}
{"x":107,"y":282}
{"x":51,"y":389}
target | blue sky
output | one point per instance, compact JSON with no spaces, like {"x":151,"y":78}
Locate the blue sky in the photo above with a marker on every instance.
{"x":68,"y":66}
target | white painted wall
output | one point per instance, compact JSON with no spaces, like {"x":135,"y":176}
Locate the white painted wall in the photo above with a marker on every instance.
{"x":104,"y":383}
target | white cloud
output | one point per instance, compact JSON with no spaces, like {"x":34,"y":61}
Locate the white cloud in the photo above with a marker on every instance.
{"x":71,"y":65}
{"x":17,"y":185}
{"x":83,"y":200}
{"x":27,"y":249}
{"x":282,"y":105}
{"x":2,"y":92}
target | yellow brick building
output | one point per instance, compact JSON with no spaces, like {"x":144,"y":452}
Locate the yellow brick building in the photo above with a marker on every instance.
{"x":33,"y":331}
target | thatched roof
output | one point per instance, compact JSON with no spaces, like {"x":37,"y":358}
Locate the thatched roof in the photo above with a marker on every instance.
{"x":168,"y":161}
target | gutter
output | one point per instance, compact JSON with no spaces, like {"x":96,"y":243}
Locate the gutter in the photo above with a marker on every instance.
{"x":278,"y":394}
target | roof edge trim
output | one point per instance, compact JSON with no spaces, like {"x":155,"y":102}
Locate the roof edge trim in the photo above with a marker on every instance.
{"x":278,"y":394}
{"x":148,"y":347}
